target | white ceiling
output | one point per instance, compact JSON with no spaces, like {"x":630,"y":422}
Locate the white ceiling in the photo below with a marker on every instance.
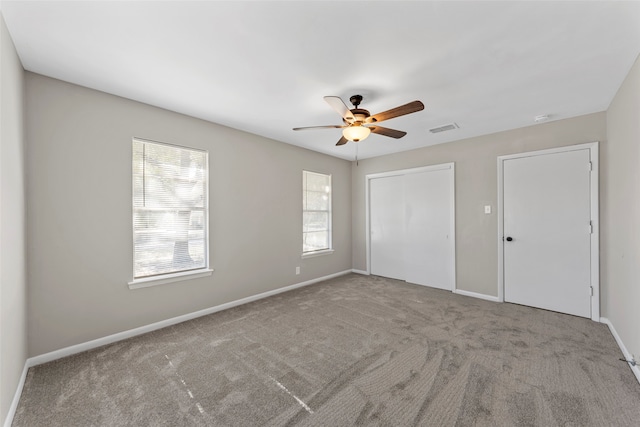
{"x":265,"y":66}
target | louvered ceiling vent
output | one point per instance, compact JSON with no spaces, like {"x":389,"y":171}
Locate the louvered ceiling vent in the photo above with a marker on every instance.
{"x":450,"y":126}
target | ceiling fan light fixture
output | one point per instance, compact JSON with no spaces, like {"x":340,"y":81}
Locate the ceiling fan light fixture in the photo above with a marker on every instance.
{"x":354,"y":119}
{"x":356,"y":133}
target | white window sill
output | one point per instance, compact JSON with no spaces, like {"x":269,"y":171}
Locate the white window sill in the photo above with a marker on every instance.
{"x":317,"y":253}
{"x":169,"y":278}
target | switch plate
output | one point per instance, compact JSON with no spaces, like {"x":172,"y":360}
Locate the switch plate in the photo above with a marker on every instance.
{"x":297,"y":270}
{"x":487,"y":209}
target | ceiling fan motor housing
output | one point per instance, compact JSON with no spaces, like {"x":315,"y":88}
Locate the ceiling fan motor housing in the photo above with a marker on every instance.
{"x":360,"y":114}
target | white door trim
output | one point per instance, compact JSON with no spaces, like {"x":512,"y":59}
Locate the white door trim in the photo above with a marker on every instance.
{"x":452,"y":231}
{"x":595,"y":222}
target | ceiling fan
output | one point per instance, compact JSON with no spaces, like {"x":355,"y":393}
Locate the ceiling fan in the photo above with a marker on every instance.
{"x":358,"y":121}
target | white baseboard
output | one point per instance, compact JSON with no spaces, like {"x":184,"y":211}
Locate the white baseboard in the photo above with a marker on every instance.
{"x":625,"y":352}
{"x":476,"y":295}
{"x":89,"y":345}
{"x":16,"y":397}
{"x":110,"y":339}
{"x":366,"y":273}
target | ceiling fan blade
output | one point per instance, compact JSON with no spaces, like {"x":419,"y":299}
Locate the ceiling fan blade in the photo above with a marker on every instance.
{"x":409,"y":108}
{"x":342,"y":141}
{"x":397,"y":134}
{"x":338,"y":104}
{"x":321,"y":127}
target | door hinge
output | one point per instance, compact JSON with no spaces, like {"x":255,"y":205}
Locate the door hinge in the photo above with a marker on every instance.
{"x":590,"y":166}
{"x":590,"y":227}
{"x":590,"y":290}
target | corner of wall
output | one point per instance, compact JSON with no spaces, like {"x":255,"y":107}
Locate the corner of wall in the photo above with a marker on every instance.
{"x":620,"y":213}
{"x":13,"y":342}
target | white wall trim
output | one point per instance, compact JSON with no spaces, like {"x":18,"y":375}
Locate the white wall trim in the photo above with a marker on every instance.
{"x":595,"y":235}
{"x":476,"y":295}
{"x":110,"y":339}
{"x":317,"y":253}
{"x":16,"y":397}
{"x":625,"y":352}
{"x":169,"y":278}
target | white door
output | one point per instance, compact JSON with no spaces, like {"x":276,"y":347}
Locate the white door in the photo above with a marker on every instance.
{"x":411,"y":226}
{"x":428,"y":244}
{"x":387,"y":224}
{"x":547,"y":246}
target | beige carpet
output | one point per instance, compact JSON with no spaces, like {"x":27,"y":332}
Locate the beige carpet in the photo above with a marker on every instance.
{"x":355,"y":350}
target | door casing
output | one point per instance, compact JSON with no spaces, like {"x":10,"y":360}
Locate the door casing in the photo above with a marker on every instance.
{"x":595,"y":241}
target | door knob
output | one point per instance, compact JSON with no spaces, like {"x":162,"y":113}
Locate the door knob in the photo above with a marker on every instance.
{"x":509,"y":239}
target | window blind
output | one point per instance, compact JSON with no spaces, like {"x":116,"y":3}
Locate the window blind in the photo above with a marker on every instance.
{"x":170,"y":216}
{"x":316,"y":212}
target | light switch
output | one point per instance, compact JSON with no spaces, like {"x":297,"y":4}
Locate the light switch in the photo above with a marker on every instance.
{"x":487,"y":209}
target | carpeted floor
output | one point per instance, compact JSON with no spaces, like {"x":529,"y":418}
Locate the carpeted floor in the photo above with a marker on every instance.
{"x":354,"y":350}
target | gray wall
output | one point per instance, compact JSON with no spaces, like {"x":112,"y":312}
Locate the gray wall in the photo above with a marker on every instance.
{"x":620,"y":224}
{"x":79,"y":214}
{"x":476,"y":186}
{"x":13,"y":341}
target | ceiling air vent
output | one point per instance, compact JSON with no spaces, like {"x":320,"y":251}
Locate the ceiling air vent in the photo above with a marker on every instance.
{"x":444,"y":128}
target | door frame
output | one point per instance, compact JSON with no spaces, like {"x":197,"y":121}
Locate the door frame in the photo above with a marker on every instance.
{"x":595,"y":222}
{"x":452,"y":231}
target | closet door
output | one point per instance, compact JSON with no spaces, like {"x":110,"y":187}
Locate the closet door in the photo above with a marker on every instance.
{"x":387,"y":225}
{"x":411,"y":225}
{"x":429,"y":250}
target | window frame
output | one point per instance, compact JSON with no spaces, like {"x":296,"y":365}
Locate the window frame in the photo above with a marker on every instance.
{"x":173,"y":276}
{"x":329,"y":230}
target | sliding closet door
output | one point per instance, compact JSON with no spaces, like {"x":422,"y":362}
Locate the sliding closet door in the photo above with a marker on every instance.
{"x":428,"y":216}
{"x":411,"y":225}
{"x":387,"y":224}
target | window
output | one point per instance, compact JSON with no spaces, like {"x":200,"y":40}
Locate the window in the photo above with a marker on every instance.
{"x":170,"y":210}
{"x":316,"y":212}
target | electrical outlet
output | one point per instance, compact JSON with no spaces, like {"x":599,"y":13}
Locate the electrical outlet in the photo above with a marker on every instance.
{"x":297,"y":270}
{"x":487,"y":209}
